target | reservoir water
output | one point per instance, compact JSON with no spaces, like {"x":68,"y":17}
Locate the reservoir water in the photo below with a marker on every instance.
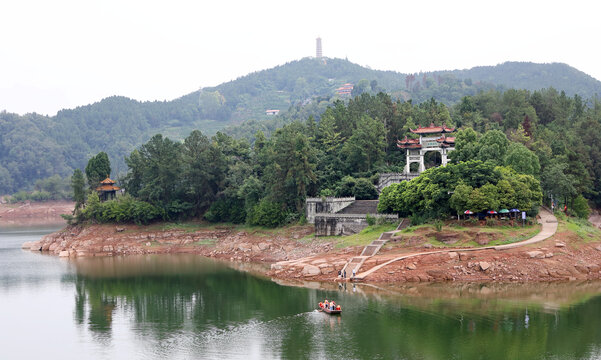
{"x":187,"y":307}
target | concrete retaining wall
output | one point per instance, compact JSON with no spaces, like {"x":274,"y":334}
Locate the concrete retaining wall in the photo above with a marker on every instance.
{"x":329,"y":205}
{"x":387,"y":179}
{"x":342,"y":224}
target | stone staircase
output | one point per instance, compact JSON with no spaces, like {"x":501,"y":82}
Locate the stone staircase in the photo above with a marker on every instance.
{"x":405,"y":223}
{"x":372,"y":249}
{"x":361,"y":207}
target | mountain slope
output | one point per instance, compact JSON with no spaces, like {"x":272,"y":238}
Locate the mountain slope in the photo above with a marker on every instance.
{"x":34,"y":146}
{"x":532,"y":76}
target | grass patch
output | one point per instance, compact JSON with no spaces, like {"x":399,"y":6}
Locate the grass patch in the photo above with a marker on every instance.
{"x":365,"y":237}
{"x":504,"y":234}
{"x":581,"y":227}
{"x":527,"y":233}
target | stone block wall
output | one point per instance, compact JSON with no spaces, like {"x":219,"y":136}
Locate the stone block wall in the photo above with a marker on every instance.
{"x":387,"y":179}
{"x":329,"y":205}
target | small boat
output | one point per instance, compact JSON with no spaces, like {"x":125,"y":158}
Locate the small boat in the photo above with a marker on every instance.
{"x":331,"y":312}
{"x":328,"y":310}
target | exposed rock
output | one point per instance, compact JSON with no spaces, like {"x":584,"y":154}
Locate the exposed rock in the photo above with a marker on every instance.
{"x":326,"y":269}
{"x":35,"y":246}
{"x":535,"y":254}
{"x":593,"y":268}
{"x":439,"y":274}
{"x":484,"y":265}
{"x":463,"y":256}
{"x":428,"y":246}
{"x":414,"y":240}
{"x":311,"y":270}
{"x":26,"y":245}
{"x":119,"y":229}
{"x":244,"y":247}
{"x":559,"y":244}
{"x":581,"y":268}
{"x":549,"y":255}
{"x":453,"y":255}
{"x":64,"y":253}
{"x":598,"y":248}
{"x":264,"y":246}
{"x":483,"y":238}
{"x":447,"y":238}
{"x":411,"y":267}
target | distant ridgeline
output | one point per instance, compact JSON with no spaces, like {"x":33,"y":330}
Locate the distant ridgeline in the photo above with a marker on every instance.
{"x":34,"y":147}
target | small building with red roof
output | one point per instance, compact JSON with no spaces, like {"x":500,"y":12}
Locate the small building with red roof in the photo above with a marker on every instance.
{"x":107,"y":189}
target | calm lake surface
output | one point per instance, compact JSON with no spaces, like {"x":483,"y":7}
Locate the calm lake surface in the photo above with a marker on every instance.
{"x":187,"y":307}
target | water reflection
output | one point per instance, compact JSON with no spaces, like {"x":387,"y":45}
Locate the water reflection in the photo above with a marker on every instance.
{"x":186,"y":306}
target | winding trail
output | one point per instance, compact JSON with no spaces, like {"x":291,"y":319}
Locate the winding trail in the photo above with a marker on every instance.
{"x":549,"y":227}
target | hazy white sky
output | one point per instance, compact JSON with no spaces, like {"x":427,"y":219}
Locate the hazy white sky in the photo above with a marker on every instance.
{"x":62,"y":53}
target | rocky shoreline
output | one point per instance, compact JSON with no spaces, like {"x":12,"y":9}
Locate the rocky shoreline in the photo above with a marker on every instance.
{"x":560,"y":258}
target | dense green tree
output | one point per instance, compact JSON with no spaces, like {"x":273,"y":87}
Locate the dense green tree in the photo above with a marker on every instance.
{"x":78,"y":186}
{"x":290,"y":173}
{"x":430,"y":194}
{"x":365,"y":190}
{"x":203,"y":170}
{"x":493,"y":146}
{"x":161,"y":162}
{"x":580,"y":207}
{"x":558,"y":183}
{"x":366,"y":147}
{"x":522,"y":160}
{"x":98,"y":168}
{"x":459,"y":201}
{"x":484,"y":198}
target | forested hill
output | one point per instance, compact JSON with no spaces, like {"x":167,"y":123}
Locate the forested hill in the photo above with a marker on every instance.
{"x":531,"y":76}
{"x":34,"y":147}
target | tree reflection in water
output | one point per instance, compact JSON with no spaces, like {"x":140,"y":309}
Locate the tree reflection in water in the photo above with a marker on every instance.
{"x":199,"y":306}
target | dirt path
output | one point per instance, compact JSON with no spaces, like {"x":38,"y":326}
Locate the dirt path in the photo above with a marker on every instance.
{"x":549,"y":227}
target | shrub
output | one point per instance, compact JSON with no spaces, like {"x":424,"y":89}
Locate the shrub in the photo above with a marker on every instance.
{"x":291,"y":218}
{"x":365,"y":190}
{"x":346,"y":187}
{"x":371,"y":220}
{"x":227,"y":209}
{"x":438,"y":225}
{"x":122,"y":210}
{"x":580,"y":207}
{"x":267,"y":213}
{"x":417,"y":219}
{"x":324,"y":193}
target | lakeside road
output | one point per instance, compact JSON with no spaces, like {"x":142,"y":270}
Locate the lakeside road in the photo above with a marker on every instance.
{"x":549,"y":228}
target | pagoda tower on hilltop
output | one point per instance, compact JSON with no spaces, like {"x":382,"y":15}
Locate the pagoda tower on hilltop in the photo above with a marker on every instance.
{"x":318,"y":52}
